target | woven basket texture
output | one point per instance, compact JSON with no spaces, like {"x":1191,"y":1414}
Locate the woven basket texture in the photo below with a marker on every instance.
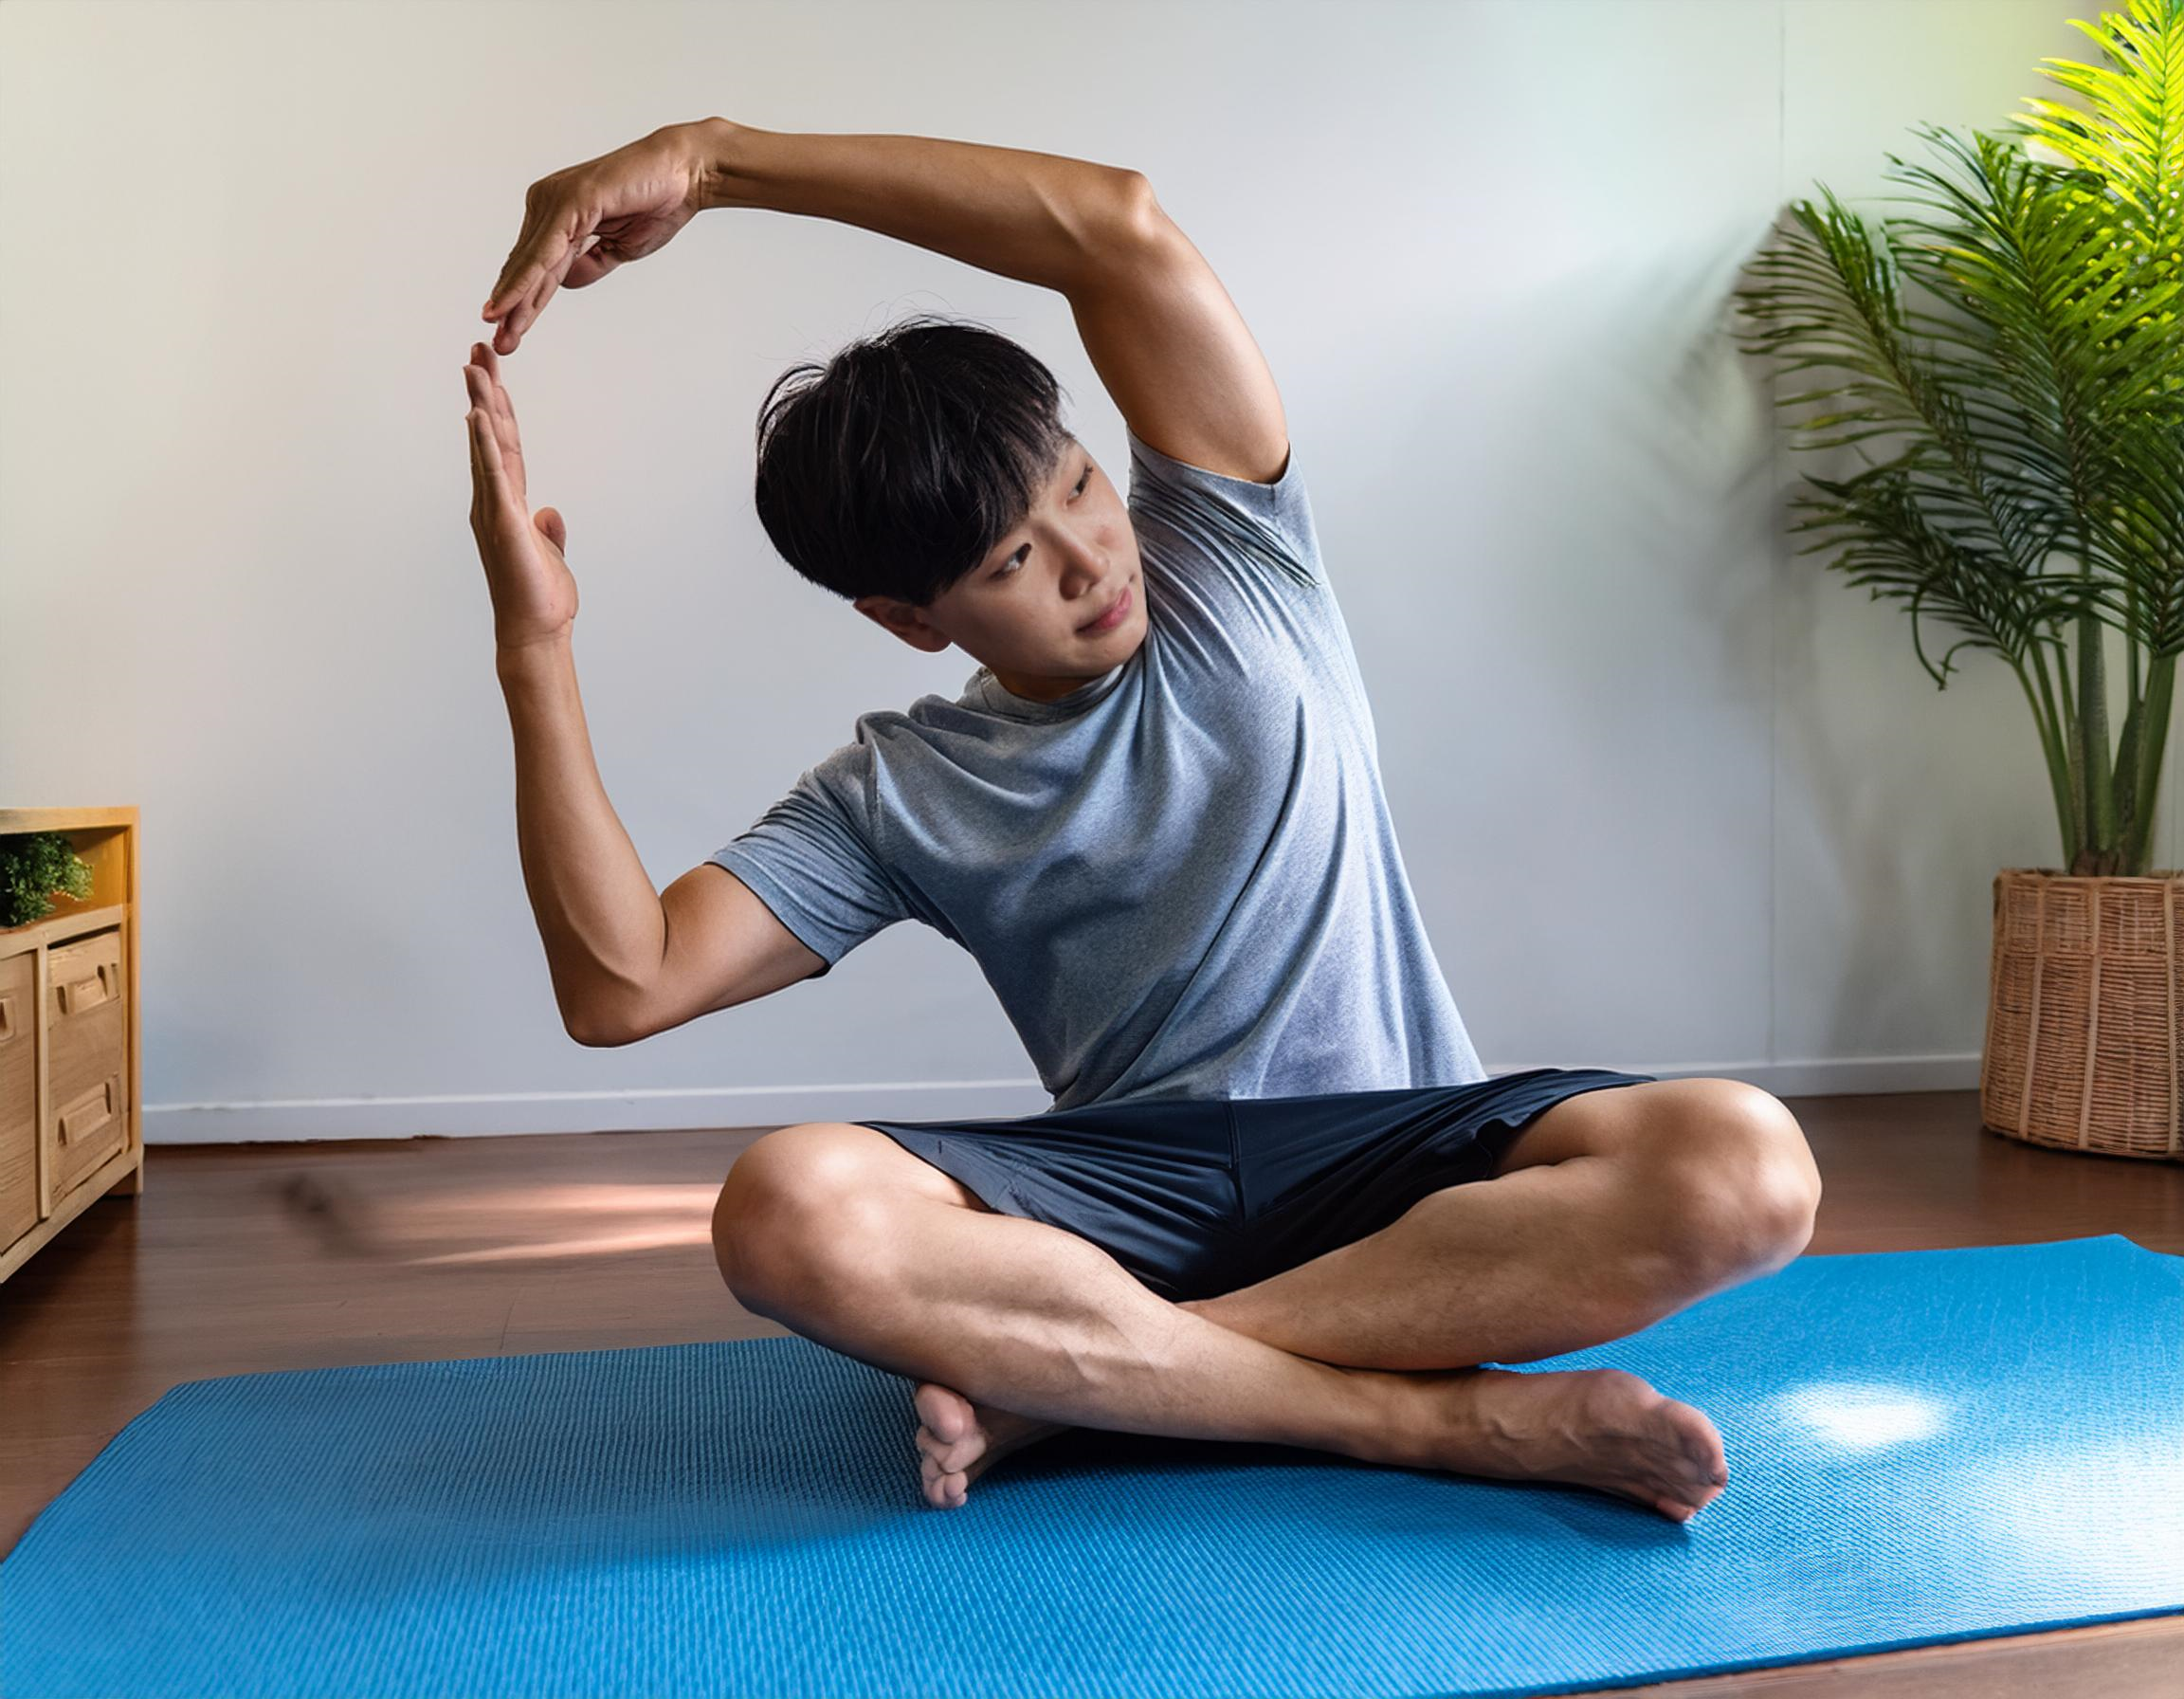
{"x":2086,"y":1013}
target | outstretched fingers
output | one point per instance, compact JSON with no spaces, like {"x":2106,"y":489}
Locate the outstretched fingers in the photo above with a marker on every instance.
{"x":518,"y":273}
{"x":487,"y":480}
{"x":497,"y":497}
{"x":539,"y":260}
{"x":479,"y":476}
{"x":505,"y":440}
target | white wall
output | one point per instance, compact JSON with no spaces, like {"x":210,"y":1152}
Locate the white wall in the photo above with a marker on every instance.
{"x":1673,"y":799}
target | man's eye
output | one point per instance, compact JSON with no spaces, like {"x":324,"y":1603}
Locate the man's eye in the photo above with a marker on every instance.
{"x":1017,"y":560}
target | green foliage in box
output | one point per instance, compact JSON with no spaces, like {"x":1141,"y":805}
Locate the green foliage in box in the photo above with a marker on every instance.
{"x":34,"y":864}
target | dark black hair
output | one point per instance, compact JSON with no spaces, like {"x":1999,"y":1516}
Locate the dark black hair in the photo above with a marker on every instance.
{"x":902,"y":462}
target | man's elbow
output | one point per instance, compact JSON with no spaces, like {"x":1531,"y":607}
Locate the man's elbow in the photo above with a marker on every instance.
{"x":1137,"y":211}
{"x":596,"y":1034}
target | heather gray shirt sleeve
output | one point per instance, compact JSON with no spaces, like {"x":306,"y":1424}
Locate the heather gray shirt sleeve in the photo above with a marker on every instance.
{"x":809,"y":858}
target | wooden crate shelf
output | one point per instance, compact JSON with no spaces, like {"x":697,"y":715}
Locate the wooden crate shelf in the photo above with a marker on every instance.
{"x":71,"y":1111}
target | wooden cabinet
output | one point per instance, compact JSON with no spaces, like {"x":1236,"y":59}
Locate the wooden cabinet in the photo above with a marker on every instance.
{"x":18,"y":1097}
{"x":72,"y":1128}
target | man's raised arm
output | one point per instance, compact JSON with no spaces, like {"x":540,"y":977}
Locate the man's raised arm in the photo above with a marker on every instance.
{"x":1039,"y":218}
{"x":1171,"y":347}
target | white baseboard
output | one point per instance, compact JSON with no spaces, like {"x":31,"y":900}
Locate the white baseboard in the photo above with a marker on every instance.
{"x":635,"y":1110}
{"x":481,"y":1116}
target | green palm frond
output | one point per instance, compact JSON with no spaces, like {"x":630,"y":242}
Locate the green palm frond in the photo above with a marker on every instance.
{"x":2018,"y":343}
{"x":2131,"y":139}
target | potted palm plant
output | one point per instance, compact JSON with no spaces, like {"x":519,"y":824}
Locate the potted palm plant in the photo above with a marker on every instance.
{"x":2021,"y":347}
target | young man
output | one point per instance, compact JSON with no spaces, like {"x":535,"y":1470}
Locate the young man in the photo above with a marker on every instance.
{"x":1277,"y":1196}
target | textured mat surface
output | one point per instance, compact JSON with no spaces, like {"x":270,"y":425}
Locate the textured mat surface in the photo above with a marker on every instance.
{"x":1923,"y":1446}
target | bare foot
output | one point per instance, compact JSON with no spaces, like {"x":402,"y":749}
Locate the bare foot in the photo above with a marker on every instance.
{"x":1599,"y":1427}
{"x":960,"y":1440}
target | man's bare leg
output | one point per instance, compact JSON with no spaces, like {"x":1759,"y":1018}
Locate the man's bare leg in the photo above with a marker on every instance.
{"x":1011,"y":1323}
{"x":1462,"y":1276}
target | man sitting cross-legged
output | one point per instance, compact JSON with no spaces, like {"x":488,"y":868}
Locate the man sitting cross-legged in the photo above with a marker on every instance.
{"x":1605,"y":1212}
{"x":1277,"y":1196}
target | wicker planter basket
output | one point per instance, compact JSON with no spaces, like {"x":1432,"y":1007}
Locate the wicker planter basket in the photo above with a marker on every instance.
{"x":2086,"y":1013}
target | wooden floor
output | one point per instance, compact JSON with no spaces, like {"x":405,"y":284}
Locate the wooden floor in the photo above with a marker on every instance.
{"x":434,"y":1248}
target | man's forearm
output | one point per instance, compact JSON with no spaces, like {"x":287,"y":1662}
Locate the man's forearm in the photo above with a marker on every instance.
{"x":1040,"y":218}
{"x":599,"y":916}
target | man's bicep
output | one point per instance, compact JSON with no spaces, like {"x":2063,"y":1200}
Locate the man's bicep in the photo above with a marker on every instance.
{"x":723,"y":946}
{"x":1176,"y":357}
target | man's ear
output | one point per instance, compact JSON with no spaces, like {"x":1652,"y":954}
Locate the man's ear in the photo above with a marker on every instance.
{"x":903,"y":621}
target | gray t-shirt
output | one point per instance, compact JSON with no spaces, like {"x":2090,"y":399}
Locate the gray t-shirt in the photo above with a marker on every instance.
{"x":1180,"y":879}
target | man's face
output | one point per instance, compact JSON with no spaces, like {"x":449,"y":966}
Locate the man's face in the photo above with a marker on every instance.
{"x":1023,"y":610}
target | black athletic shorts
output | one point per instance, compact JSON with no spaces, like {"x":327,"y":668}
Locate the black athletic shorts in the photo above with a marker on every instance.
{"x":1197,"y":1197}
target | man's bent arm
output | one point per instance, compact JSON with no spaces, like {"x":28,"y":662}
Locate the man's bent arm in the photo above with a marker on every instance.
{"x":601,"y":920}
{"x":1040,"y":218}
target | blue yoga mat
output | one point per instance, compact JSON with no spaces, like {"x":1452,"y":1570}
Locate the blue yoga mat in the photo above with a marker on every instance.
{"x":1924,"y":1445}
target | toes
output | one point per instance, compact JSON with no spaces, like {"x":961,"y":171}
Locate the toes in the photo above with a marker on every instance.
{"x":943,"y":1410}
{"x":1686,"y":1502}
{"x":951,"y":1455}
{"x":933,"y":1469}
{"x":935,"y":1466}
{"x":943,"y":1486}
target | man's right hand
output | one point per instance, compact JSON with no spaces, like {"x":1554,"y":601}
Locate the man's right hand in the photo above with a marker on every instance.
{"x":534,"y":591}
{"x":634,"y":199}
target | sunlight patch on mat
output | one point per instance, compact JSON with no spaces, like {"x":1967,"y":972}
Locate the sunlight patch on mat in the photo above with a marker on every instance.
{"x":1859,"y":1416}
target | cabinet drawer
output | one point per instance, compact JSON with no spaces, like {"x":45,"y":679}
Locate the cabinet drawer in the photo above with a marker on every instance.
{"x":86,"y":1061}
{"x":18,"y":1097}
{"x":84,"y":975}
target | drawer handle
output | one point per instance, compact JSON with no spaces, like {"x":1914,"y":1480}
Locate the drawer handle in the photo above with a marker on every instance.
{"x":77,"y":994}
{"x":9,"y":1028}
{"x":88,"y":1113}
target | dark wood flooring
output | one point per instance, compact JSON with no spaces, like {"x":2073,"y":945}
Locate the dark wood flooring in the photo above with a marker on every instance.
{"x":308,"y":1256}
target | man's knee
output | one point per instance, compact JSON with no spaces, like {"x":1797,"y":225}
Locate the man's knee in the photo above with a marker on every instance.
{"x":1742,"y":1189}
{"x":786,"y":1219}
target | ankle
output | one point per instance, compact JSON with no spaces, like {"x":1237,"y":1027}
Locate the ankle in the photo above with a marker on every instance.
{"x":1434,"y":1413}
{"x":1385,"y":1418}
{"x":1375,"y":1415}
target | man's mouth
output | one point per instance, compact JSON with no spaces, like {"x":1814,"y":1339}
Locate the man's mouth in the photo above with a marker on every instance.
{"x":1115,"y":616}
